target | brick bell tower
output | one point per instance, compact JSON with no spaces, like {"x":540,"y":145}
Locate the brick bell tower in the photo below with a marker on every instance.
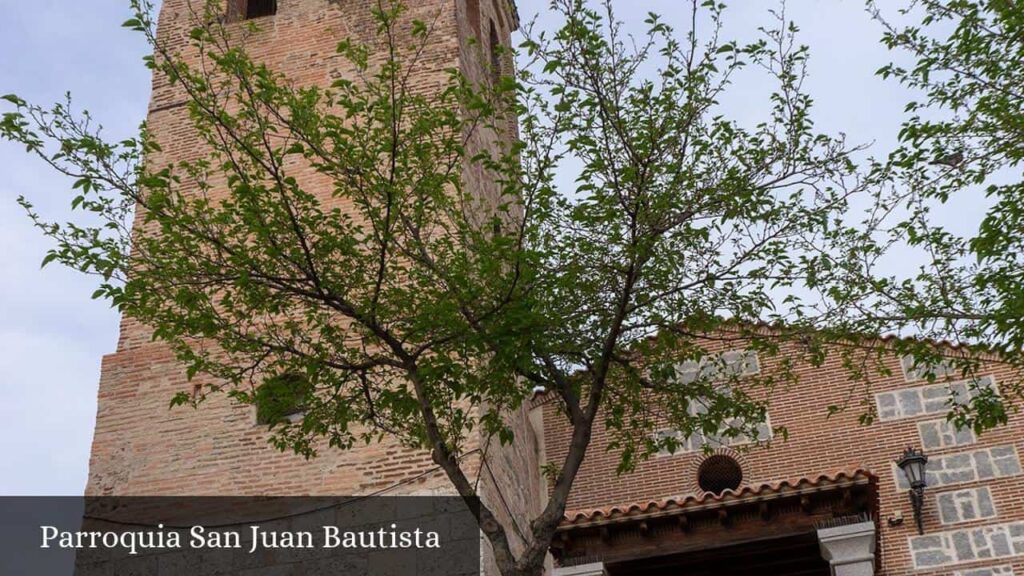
{"x":140,"y":446}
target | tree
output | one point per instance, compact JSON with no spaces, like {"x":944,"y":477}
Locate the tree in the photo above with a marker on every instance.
{"x":398,"y":305}
{"x":963,"y":138}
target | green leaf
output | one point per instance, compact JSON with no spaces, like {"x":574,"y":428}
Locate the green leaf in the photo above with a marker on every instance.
{"x":50,"y":257}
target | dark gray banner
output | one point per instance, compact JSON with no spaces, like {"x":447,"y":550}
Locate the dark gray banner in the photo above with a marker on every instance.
{"x":197,"y":536}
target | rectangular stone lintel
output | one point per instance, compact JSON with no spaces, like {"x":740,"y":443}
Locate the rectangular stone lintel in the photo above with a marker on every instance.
{"x":849,"y":549}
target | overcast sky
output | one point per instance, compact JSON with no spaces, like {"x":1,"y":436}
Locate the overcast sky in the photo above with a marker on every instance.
{"x":52,"y":336}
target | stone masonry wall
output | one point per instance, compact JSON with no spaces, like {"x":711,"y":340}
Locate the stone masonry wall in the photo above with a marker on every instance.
{"x":140,"y":446}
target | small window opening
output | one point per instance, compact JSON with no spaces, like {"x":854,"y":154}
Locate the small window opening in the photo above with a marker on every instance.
{"x":495,"y":55}
{"x":249,"y":9}
{"x":719,"y":473}
{"x":282,"y":399}
{"x":260,"y":8}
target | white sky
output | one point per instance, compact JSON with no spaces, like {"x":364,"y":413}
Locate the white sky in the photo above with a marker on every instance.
{"x":52,"y":336}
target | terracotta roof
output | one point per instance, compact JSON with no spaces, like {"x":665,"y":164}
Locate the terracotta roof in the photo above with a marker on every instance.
{"x":691,"y":503}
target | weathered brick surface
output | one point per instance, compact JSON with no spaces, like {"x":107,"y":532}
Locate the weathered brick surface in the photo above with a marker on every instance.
{"x":819,"y":444}
{"x":141,"y":446}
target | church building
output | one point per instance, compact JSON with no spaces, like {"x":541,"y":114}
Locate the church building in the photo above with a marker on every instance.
{"x":906,"y":495}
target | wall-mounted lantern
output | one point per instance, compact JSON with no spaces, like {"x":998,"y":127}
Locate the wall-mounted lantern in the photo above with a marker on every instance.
{"x":912,"y":463}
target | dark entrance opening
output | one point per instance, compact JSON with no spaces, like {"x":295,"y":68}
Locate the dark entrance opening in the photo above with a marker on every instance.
{"x":239,"y":10}
{"x":797,"y":555}
{"x":260,"y":8}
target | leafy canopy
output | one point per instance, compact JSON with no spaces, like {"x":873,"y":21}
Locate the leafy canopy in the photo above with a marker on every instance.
{"x":336,"y":247}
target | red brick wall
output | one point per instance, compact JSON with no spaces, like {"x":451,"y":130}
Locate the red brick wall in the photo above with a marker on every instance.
{"x":817,"y":445}
{"x":142,"y":447}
